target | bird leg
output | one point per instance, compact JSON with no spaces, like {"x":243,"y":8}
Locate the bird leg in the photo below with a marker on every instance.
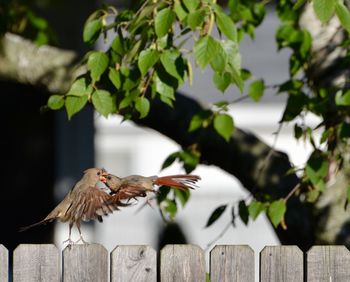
{"x":69,"y":240}
{"x":81,"y":235}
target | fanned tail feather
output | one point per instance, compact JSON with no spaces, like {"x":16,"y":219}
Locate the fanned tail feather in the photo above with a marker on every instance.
{"x":180,"y":181}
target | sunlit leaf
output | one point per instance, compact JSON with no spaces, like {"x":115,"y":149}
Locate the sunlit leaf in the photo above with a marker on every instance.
{"x":55,"y":102}
{"x":223,"y":124}
{"x":276,"y":212}
{"x":97,"y":64}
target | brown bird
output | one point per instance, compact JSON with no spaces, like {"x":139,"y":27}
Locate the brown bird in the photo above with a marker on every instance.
{"x":84,"y":202}
{"x":134,"y":186}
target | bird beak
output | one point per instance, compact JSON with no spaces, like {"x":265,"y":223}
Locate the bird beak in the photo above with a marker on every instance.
{"x":103,"y":177}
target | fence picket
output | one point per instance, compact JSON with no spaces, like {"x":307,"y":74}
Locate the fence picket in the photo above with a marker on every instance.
{"x":281,"y":264}
{"x":232,"y":263}
{"x":328,"y":263}
{"x":133,"y":263}
{"x":183,"y":263}
{"x":87,"y":262}
{"x":36,"y":263}
{"x":4,"y":264}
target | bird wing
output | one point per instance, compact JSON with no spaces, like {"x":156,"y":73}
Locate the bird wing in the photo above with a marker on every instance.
{"x":126,"y":193}
{"x":91,"y":203}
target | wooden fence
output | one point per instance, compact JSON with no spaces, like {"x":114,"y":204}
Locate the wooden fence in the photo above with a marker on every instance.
{"x":177,"y":263}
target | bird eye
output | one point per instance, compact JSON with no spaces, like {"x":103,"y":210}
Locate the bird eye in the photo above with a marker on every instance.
{"x":99,"y":173}
{"x":109,"y":177}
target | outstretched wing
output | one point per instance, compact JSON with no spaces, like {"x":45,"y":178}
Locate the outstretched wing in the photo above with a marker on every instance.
{"x":91,"y":203}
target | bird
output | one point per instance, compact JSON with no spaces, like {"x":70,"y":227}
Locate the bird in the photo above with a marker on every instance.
{"x":85,"y":201}
{"x":134,"y":186}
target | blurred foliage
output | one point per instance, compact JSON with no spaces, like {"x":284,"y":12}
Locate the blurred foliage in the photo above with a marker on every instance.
{"x":19,"y":17}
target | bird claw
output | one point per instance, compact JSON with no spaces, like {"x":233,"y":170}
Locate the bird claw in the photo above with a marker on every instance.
{"x":82,"y":240}
{"x":70,"y":243}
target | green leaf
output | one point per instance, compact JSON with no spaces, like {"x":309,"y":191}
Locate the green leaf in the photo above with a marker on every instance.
{"x":316,"y":168}
{"x":172,"y":64}
{"x":171,"y":208}
{"x":170,"y":160}
{"x":255,"y":208}
{"x":114,"y":77}
{"x":298,"y":4}
{"x":163,"y":191}
{"x":256,"y":90}
{"x":342,"y":99}
{"x":343,"y":14}
{"x":295,"y":104}
{"x":324,"y":9}
{"x":142,"y":105}
{"x":164,"y":21}
{"x":74,"y":104}
{"x":223,"y":124}
{"x":344,"y":130}
{"x":232,"y":52}
{"x":205,"y":50}
{"x":243,"y":212}
{"x":276,"y":211}
{"x":129,"y":98}
{"x":312,"y":195}
{"x":226,"y":25}
{"x":189,"y":159}
{"x":55,"y":102}
{"x":237,"y":79}
{"x":222,"y":80}
{"x":103,"y":102}
{"x":191,"y":5}
{"x":182,"y":195}
{"x":97,"y":64}
{"x":198,"y":120}
{"x":215,"y":215}
{"x":80,"y":88}
{"x":147,"y":59}
{"x":92,"y":30}
{"x":219,"y":62}
{"x":163,"y":89}
{"x":118,"y":45}
{"x":195,"y":19}
{"x":179,"y":10}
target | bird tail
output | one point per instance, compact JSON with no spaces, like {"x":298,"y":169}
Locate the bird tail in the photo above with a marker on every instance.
{"x":180,"y":181}
{"x":44,"y":221}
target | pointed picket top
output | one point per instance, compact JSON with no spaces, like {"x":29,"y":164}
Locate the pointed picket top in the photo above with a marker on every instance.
{"x":232,"y":263}
{"x":32,"y":262}
{"x":281,"y":264}
{"x":85,"y":262}
{"x":134,"y":263}
{"x":4,"y":264}
{"x":328,"y":263}
{"x":182,"y":263}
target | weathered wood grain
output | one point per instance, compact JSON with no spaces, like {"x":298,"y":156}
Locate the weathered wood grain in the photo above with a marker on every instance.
{"x":232,"y":264}
{"x":328,"y":264}
{"x":4,"y":264}
{"x":183,"y":263}
{"x":36,"y":263}
{"x":281,"y":264}
{"x":134,"y":263}
{"x":87,"y":262}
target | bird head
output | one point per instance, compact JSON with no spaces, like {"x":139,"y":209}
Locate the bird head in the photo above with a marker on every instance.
{"x":96,"y":174}
{"x":113,"y":182}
